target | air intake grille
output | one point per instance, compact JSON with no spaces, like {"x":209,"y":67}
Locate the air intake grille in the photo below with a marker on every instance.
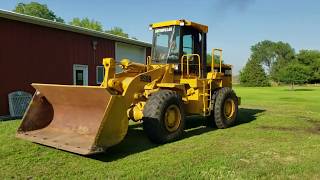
{"x":18,"y":103}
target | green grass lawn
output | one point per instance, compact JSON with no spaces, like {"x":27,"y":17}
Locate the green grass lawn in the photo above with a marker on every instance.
{"x":277,"y":136}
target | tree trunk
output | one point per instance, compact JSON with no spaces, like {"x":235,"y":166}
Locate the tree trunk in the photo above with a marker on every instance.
{"x":292,"y":84}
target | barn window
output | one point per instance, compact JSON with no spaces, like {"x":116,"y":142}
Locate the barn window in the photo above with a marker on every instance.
{"x":99,"y":74}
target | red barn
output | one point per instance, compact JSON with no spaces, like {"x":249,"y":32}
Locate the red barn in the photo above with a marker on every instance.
{"x":42,"y":51}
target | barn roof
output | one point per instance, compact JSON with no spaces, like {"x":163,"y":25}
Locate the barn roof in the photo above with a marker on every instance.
{"x":66,"y":27}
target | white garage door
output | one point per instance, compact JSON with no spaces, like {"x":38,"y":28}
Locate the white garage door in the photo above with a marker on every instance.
{"x":132,"y":52}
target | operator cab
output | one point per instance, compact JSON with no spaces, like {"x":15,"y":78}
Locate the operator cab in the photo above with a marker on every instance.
{"x":176,"y":40}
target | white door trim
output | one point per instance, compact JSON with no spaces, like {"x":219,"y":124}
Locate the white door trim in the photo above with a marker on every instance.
{"x":84,"y":68}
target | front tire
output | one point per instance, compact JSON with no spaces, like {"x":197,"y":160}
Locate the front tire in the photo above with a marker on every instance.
{"x":163,"y":119}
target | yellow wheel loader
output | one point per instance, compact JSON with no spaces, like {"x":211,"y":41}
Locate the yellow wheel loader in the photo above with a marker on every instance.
{"x":177,"y":81}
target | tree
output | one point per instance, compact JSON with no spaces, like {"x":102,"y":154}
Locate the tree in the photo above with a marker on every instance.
{"x":285,"y":54}
{"x":284,"y":51}
{"x":38,"y":10}
{"x":311,"y":58}
{"x":117,"y":31}
{"x":272,"y":55}
{"x":216,"y":59}
{"x":276,"y":67}
{"x":277,"y":57}
{"x":87,"y":23}
{"x":263,"y":52}
{"x":253,"y":74}
{"x":294,"y":73}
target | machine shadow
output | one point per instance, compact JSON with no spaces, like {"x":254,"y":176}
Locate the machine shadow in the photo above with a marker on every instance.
{"x":299,"y":89}
{"x":136,"y":141}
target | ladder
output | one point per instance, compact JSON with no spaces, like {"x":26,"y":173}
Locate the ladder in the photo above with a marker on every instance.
{"x":205,"y":94}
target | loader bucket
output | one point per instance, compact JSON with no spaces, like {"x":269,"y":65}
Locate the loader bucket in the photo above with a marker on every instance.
{"x":80,"y":119}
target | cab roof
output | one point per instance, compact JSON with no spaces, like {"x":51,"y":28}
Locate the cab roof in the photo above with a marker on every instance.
{"x":182,"y":22}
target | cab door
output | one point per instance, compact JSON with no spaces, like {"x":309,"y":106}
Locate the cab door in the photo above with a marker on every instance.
{"x":192,"y":44}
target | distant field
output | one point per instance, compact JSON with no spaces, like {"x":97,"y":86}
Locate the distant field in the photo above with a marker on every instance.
{"x":277,"y":136}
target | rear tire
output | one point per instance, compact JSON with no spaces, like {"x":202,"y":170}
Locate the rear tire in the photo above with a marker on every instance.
{"x":163,"y":119}
{"x":225,"y":108}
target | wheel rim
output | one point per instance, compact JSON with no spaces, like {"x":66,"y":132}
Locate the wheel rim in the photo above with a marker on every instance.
{"x":172,"y":118}
{"x":229,"y":108}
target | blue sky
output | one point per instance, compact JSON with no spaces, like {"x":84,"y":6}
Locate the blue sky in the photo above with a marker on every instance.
{"x":234,"y":25}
